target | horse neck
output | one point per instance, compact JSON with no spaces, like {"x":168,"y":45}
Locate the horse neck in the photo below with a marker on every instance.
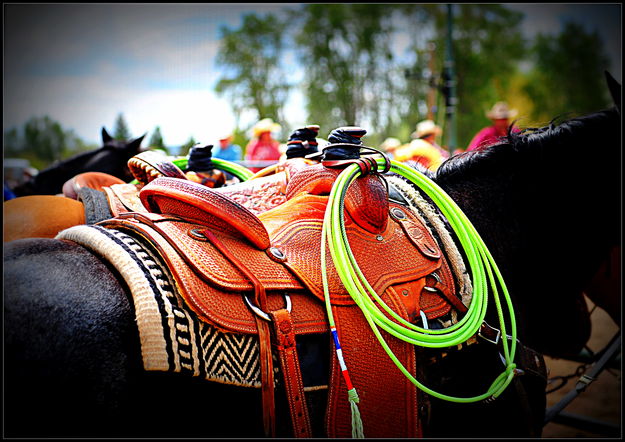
{"x":545,"y":191}
{"x":546,"y":218}
{"x":105,"y":159}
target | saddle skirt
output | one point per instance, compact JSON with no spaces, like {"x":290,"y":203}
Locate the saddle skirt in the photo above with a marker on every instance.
{"x":282,"y":248}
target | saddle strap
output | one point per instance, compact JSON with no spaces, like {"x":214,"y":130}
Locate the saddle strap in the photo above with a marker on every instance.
{"x":287,"y":350}
{"x":264,"y":338}
{"x":289,"y":360}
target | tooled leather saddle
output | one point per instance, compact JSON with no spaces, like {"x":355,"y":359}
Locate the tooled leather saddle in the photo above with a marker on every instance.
{"x":259,"y":273}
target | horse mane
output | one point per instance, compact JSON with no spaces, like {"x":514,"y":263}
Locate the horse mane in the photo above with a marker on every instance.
{"x":557,"y":144}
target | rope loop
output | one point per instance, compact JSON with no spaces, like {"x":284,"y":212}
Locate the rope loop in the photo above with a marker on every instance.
{"x":486,"y":279}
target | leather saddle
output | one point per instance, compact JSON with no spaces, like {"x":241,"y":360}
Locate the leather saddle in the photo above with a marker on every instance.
{"x":258,"y":194}
{"x":257,"y":271}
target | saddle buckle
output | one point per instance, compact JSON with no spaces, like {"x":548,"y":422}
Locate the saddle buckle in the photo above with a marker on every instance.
{"x":262,"y":314}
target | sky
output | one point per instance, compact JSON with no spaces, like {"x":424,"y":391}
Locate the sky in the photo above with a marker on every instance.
{"x":84,"y":64}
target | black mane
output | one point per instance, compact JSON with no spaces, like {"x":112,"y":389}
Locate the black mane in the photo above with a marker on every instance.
{"x":569,"y":140}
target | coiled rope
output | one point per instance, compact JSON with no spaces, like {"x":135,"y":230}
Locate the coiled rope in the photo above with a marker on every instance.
{"x":484,"y":272}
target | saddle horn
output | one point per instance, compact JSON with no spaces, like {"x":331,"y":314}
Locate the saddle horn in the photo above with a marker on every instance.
{"x":344,"y":144}
{"x":303,"y":142}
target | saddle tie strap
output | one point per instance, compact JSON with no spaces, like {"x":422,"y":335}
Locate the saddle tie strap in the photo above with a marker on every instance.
{"x":440,"y":287}
{"x":264,"y":338}
{"x":289,"y":360}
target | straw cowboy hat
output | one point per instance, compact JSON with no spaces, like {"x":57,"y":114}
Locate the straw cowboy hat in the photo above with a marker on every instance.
{"x":265,"y":125}
{"x":390,"y":144}
{"x":426,"y":127}
{"x":501,"y":111}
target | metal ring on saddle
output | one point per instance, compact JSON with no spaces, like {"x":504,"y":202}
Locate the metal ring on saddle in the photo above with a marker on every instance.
{"x":261,"y":313}
{"x":432,"y":289}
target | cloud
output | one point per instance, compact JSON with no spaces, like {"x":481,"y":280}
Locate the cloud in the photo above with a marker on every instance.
{"x":88,"y":103}
{"x":83,"y":64}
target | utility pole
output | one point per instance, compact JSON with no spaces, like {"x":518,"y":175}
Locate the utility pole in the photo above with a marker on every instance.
{"x":449,"y":86}
{"x":431,"y":97}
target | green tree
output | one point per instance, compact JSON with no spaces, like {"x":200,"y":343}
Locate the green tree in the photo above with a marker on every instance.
{"x":42,"y":141}
{"x":568,"y":75}
{"x":12,"y":142}
{"x":487,"y":46}
{"x":353,"y":75}
{"x":253,"y":77}
{"x":156,"y":140}
{"x":349,"y":66}
{"x":121,"y":131}
{"x":184,"y":149}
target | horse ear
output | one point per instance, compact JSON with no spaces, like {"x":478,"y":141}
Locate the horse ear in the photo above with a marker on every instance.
{"x":106,"y":138}
{"x":135,"y":145}
{"x":615,"y":89}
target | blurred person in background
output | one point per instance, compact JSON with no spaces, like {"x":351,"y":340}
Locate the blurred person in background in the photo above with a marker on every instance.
{"x":262,"y":146}
{"x":227,"y":150}
{"x":500,"y":115}
{"x":423,"y":148}
{"x":390,"y":145}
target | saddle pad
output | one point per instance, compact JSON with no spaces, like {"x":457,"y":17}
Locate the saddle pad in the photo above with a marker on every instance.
{"x":173,"y":339}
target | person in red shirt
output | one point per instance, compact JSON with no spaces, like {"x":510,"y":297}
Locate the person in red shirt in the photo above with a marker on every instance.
{"x":262,"y":146}
{"x":500,"y":115}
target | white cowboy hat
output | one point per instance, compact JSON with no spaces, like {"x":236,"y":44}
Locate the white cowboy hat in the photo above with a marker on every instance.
{"x":501,"y":111}
{"x":265,"y":125}
{"x":426,"y":127}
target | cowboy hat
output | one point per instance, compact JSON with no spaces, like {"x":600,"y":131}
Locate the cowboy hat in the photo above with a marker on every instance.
{"x":390,"y":144}
{"x":265,"y":125}
{"x":426,"y":127}
{"x":500,"y":111}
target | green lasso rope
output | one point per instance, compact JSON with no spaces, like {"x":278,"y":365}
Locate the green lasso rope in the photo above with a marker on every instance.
{"x":241,"y":172}
{"x":483,"y":268}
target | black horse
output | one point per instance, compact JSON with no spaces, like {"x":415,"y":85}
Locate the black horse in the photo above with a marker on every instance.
{"x":73,"y":363}
{"x":111,"y":158}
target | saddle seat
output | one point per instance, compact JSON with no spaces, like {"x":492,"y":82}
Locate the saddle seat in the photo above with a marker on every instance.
{"x":221,"y":253}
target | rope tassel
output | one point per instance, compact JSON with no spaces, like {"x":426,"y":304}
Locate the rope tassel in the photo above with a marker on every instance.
{"x":352,"y":394}
{"x":357,"y":430}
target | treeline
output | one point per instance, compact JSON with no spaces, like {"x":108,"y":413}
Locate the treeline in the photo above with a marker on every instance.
{"x":351,"y":71}
{"x":43,"y":141}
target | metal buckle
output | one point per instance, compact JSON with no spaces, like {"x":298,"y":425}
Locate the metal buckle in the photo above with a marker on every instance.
{"x":486,"y":338}
{"x":261,"y":313}
{"x":433,"y":289}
